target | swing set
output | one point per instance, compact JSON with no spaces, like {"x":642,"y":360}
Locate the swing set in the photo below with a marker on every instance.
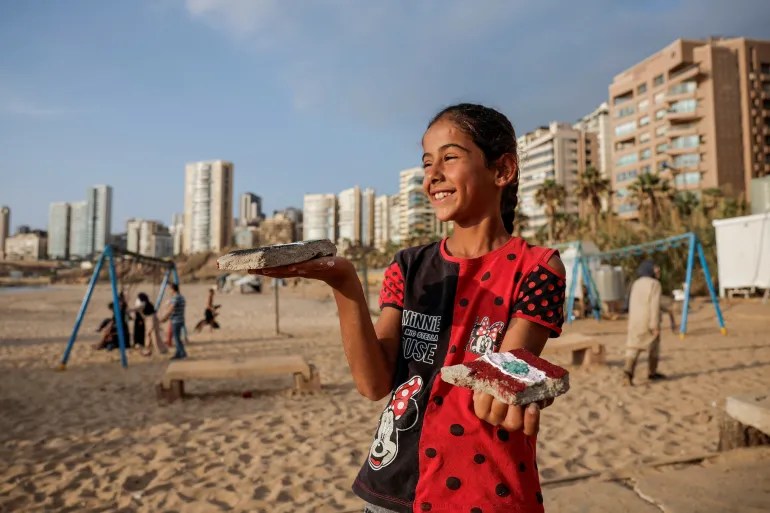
{"x":131,"y":268}
{"x":689,"y":240}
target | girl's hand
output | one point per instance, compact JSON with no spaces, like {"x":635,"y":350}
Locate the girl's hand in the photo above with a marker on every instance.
{"x":331,"y":270}
{"x":510,"y":418}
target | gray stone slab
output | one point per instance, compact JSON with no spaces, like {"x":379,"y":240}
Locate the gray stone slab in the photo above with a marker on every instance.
{"x":276,"y":255}
{"x":750,"y":410}
{"x":723,"y":487}
{"x":595,"y":497}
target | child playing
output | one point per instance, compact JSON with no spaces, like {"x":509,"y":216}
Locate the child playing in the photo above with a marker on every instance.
{"x":209,"y":314}
{"x":438,"y":447}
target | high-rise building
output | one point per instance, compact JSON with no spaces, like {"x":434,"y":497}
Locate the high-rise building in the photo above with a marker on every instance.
{"x":417,"y":216}
{"x":250,"y":209}
{"x":99,"y":221}
{"x":149,"y":238}
{"x":598,"y":122}
{"x":386,"y":220}
{"x":294,"y":215}
{"x":557,"y":152}
{"x":30,"y":245}
{"x":367,"y":217}
{"x":78,"y":242}
{"x":278,"y":229}
{"x":319,"y":217}
{"x":5,"y":229}
{"x":349,"y":217}
{"x":177,"y":233}
{"x":208,"y":206}
{"x":59,"y":231}
{"x":697,"y":112}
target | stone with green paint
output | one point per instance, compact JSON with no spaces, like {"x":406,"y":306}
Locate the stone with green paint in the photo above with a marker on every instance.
{"x":516,"y":367}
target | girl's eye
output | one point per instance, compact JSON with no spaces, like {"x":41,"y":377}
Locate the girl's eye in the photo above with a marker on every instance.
{"x":449,"y":157}
{"x":425,"y":165}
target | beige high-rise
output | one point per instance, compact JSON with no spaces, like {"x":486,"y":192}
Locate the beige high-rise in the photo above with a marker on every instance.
{"x":697,"y":112}
{"x":557,"y":152}
{"x":208,"y":206}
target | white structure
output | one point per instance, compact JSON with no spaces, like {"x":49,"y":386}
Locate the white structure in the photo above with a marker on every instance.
{"x":26,"y":246}
{"x":557,"y":152}
{"x":208,"y":206}
{"x":319,"y":216}
{"x":99,"y":220}
{"x":743,"y":252}
{"x":387,"y":217}
{"x":78,"y":242}
{"x":367,"y":217}
{"x":5,"y":228}
{"x":250,"y":209}
{"x":59,"y":231}
{"x":149,"y":238}
{"x":177,"y":233}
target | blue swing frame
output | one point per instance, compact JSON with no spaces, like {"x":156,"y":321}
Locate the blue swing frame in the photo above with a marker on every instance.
{"x":694,"y":246}
{"x":108,"y":255}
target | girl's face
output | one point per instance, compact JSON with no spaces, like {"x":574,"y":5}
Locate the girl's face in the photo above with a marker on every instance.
{"x":460,"y":186}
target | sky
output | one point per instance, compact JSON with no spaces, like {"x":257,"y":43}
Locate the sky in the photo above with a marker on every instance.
{"x":303,"y":96}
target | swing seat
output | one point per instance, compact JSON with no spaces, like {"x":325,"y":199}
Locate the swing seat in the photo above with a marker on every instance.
{"x":171,"y":386}
{"x":586,"y":351}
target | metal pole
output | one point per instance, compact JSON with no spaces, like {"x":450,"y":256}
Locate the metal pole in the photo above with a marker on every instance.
{"x":117,"y":312}
{"x":82,"y":312}
{"x":162,"y":289}
{"x":276,"y":283}
{"x":687,"y":283}
{"x":572,"y":285}
{"x":710,"y":285}
{"x":593,"y":291}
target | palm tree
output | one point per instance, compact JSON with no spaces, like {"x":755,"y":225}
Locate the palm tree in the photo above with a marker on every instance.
{"x":552,"y":196}
{"x":591,"y":188}
{"x":651,"y":193}
{"x":520,"y":222}
{"x":712,"y":198}
{"x":686,"y":202}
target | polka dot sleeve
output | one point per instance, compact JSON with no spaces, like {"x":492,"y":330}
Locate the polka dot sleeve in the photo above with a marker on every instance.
{"x":392,"y":292}
{"x":541,"y":299}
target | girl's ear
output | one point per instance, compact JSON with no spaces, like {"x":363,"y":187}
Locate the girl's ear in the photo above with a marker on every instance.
{"x":507,"y":170}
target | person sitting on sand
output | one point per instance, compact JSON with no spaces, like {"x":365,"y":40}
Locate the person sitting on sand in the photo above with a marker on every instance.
{"x":209,"y":314}
{"x":109,"y":330}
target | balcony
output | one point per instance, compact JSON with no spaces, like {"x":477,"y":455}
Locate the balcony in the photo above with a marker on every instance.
{"x":678,"y":151}
{"x":685,"y":73}
{"x":683,"y":115}
{"x":680,"y":129}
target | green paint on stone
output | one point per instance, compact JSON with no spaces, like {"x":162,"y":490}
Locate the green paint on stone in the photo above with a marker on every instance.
{"x":516,"y":367}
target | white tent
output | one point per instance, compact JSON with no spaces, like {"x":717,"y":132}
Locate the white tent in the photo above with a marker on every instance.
{"x":743,"y":252}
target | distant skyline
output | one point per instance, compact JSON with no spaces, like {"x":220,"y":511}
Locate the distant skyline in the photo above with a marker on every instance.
{"x":310,"y":100}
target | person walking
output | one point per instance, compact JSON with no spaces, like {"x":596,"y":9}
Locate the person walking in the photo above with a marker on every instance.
{"x":644,"y":311}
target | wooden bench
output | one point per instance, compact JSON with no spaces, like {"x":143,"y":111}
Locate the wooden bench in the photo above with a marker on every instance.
{"x":171,"y":387}
{"x":586,"y":351}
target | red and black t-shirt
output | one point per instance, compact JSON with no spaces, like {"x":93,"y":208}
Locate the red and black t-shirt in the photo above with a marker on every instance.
{"x":430,"y":451}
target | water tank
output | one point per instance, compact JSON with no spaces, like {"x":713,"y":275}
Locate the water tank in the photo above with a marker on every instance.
{"x":610,"y":283}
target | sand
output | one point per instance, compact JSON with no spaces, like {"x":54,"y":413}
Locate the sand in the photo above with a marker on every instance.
{"x":94,"y":437}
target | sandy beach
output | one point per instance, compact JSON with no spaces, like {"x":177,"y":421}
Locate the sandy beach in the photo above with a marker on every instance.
{"x":95,"y":438}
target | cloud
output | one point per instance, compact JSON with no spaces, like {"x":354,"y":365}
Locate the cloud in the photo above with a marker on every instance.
{"x":24,"y":108}
{"x":398,"y":61}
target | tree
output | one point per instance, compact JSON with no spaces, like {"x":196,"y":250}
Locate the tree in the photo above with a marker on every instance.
{"x":551,"y":196}
{"x":520,"y":222}
{"x":652,"y":193}
{"x":686,"y":202}
{"x":591,"y":188}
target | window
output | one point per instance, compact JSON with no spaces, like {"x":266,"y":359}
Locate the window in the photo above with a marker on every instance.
{"x":621,"y":193}
{"x":625,"y":128}
{"x":625,"y":207}
{"x":627,"y":159}
{"x":626,"y":175}
{"x":661,"y":148}
{"x":766,"y":104}
{"x":625,"y":111}
{"x":623,"y":145}
{"x":660,"y":113}
{"x":657,"y":80}
{"x":687,"y":179}
{"x":623,"y":98}
{"x":643,"y":104}
{"x":687,"y":141}
{"x":687,"y":160}
{"x":644,"y":121}
{"x":764,"y":67}
{"x":645,"y":154}
{"x":641,"y":89}
{"x":683,"y":106}
{"x":661,"y":131}
{"x":766,"y":86}
{"x":684,"y":87}
{"x":645,"y":170}
{"x":659,"y":98}
{"x":662,"y":165}
{"x":644,"y":137}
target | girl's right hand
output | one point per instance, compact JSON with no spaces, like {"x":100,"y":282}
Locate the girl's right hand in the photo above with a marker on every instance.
{"x":334,"y":271}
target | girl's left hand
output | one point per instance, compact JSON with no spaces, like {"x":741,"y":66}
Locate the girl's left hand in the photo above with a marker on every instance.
{"x":510,"y":418}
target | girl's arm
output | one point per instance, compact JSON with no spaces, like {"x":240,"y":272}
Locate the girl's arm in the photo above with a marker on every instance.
{"x":521,"y":333}
{"x":371,"y":350}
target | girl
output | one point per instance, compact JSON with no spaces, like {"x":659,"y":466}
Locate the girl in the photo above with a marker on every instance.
{"x":209,"y":314}
{"x":144,"y":306}
{"x":438,"y":447}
